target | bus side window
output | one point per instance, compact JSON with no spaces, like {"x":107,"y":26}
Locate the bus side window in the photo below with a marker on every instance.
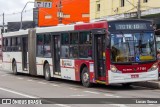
{"x":47,"y":45}
{"x":74,"y":51}
{"x":9,"y":49}
{"x":85,"y":46}
{"x":18,"y":43}
{"x":40,"y":49}
{"x":14,"y":44}
{"x":65,"y":51}
{"x":73,"y":38}
{"x":65,"y":45}
{"x":73,"y":45}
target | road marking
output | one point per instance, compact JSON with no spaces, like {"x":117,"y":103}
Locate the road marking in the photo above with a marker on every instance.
{"x":20,"y":78}
{"x":28,"y":96}
{"x":4,"y":75}
{"x":79,"y":95}
{"x":18,"y":93}
{"x":29,"y":80}
{"x":62,"y":105}
{"x":151,"y":104}
{"x":92,"y":92}
{"x":73,"y":89}
{"x":42,"y":82}
{"x":109,"y":95}
{"x":55,"y":85}
{"x":117,"y":96}
{"x":118,"y":105}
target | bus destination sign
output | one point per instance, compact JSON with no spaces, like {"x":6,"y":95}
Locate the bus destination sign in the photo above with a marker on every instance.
{"x":130,"y":26}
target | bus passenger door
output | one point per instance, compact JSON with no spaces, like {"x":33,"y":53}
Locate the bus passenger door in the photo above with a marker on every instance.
{"x":24,"y":52}
{"x":99,"y":54}
{"x":56,"y":55}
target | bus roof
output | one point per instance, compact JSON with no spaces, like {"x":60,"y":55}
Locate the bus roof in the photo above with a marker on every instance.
{"x":77,"y":26}
{"x":16,"y":33}
{"x":55,"y":28}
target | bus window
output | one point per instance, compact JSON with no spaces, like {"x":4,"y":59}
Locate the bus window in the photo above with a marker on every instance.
{"x":65,"y":51}
{"x":136,"y":47}
{"x":85,"y":48}
{"x":9,"y":41}
{"x":73,"y":51}
{"x":74,"y":38}
{"x":18,"y":39}
{"x":85,"y":38}
{"x":14,"y":41}
{"x":65,"y":47}
{"x":65,"y":38}
{"x":14,"y":44}
{"x":158,"y":49}
{"x":47,"y":45}
{"x":85,"y":51}
{"x":40,"y":45}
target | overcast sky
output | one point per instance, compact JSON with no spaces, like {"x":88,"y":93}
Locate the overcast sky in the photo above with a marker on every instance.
{"x":12,"y":9}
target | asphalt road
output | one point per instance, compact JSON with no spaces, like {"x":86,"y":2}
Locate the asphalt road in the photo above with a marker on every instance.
{"x":25,"y":86}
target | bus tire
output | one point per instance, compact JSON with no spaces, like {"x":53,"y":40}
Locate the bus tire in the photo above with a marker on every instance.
{"x":14,"y":68}
{"x":85,"y":77}
{"x":47,"y":72}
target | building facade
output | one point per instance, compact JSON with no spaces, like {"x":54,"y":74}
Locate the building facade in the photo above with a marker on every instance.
{"x":119,"y":9}
{"x":68,"y":11}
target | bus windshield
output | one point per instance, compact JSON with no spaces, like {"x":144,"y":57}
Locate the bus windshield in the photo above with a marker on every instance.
{"x":132,"y":47}
{"x":158,"y":46}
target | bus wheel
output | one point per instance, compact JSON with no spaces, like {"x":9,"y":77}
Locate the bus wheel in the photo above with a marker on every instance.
{"x":47,"y":72}
{"x":14,"y":68}
{"x":85,"y":78}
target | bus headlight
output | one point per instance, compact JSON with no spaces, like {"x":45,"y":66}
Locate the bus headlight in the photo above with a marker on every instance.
{"x":114,"y":69}
{"x":154,"y":67}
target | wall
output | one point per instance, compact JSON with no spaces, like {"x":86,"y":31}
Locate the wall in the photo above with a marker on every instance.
{"x":112,"y":7}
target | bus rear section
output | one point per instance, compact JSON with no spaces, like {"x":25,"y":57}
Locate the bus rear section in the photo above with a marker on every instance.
{"x":15,"y":53}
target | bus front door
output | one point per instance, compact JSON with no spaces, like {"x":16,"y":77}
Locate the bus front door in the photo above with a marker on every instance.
{"x":99,"y":56}
{"x":56,"y":55}
{"x":24,"y":52}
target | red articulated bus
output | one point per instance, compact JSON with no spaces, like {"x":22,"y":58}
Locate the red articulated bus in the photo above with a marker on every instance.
{"x":106,"y":52}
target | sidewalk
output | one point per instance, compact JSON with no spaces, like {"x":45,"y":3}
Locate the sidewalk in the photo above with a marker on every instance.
{"x":149,"y":84}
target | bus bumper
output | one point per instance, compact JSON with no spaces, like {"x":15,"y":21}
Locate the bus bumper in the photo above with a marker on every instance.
{"x":132,"y":77}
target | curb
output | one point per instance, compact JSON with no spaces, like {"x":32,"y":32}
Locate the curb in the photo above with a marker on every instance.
{"x":149,"y":84}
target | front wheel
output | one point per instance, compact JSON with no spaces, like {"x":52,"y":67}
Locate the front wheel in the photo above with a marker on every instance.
{"x":86,"y":78}
{"x":14,"y":68}
{"x":47,"y":73}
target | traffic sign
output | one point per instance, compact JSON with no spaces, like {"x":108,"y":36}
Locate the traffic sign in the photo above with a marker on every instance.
{"x":43,"y":3}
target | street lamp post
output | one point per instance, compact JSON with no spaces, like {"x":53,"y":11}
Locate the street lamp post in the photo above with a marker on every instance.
{"x":22,"y":13}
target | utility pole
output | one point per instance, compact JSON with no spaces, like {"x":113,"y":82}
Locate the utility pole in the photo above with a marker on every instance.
{"x":139,"y":9}
{"x":60,"y":12}
{"x":22,"y":13}
{"x":3,"y":24}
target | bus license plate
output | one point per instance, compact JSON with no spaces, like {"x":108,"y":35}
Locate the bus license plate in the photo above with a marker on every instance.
{"x":135,"y":76}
